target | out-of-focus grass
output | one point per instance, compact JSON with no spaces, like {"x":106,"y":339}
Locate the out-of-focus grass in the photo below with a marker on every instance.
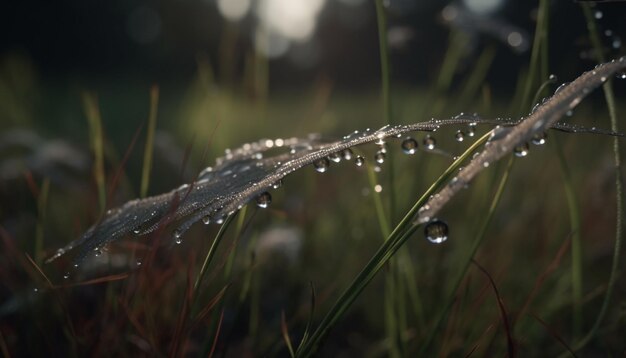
{"x":236,"y":308}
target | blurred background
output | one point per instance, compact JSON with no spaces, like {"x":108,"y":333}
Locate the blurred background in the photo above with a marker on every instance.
{"x":220,"y":73}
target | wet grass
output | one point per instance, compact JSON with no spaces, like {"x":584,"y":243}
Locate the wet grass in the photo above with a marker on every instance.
{"x":231,"y":290}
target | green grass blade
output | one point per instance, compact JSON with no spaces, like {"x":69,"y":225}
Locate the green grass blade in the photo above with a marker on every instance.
{"x":466,"y":261}
{"x":577,"y":265}
{"x":90,"y":102}
{"x":619,"y":224}
{"x":396,"y":239}
{"x":147,"y":156}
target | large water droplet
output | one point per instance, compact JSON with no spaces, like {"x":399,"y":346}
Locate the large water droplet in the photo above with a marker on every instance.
{"x":359,"y":161}
{"x":409,"y":145}
{"x":321,"y":165}
{"x":459,"y":136}
{"x":264,"y":200}
{"x":539,"y":138}
{"x":436,"y":231}
{"x":429,"y":142}
{"x":521,"y":150}
{"x":335,"y":157}
{"x":347,"y":154}
{"x":380,"y":157}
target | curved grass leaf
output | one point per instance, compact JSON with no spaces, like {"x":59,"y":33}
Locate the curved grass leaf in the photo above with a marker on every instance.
{"x":244,"y":173}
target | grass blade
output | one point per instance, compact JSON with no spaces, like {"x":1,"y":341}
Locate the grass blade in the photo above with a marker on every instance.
{"x":96,"y":135}
{"x":147,"y":156}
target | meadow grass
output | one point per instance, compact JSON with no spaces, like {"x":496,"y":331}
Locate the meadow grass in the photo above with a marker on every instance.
{"x":220,"y":293}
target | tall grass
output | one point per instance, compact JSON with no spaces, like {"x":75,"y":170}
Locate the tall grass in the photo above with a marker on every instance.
{"x":225,"y":290}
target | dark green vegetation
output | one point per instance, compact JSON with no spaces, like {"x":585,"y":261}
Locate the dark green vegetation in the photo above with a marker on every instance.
{"x":530,"y":267}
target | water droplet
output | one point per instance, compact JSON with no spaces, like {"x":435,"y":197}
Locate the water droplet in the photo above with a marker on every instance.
{"x":264,"y":200}
{"x":521,"y":150}
{"x":76,"y":265}
{"x":347,"y":154}
{"x":97,"y":252}
{"x":552,"y":77}
{"x":380,"y":157}
{"x":436,"y":231}
{"x":219,"y":220}
{"x":621,"y":75}
{"x":335,"y":157}
{"x":359,"y":161}
{"x":138,"y":262}
{"x":277,"y":184}
{"x":569,"y":113}
{"x":409,"y":145}
{"x":137,"y":231}
{"x":471,"y":130}
{"x":178,"y":237}
{"x":539,"y":138}
{"x":616,"y":43}
{"x":206,"y":220}
{"x":459,"y":136}
{"x":598,"y":14}
{"x":560,"y":88}
{"x":66,"y":275}
{"x":429,"y":142}
{"x":321,"y":165}
{"x":608,"y":33}
{"x":378,"y":188}
{"x":35,"y":290}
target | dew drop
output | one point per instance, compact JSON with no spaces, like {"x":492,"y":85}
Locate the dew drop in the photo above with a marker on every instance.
{"x":616,"y":43}
{"x":206,"y":220}
{"x":621,"y":75}
{"x":539,"y":138}
{"x":347,"y":154}
{"x":97,"y":252}
{"x":560,"y":88}
{"x":459,"y":136}
{"x":219,"y":220}
{"x":277,"y":184}
{"x":436,"y":231}
{"x":66,"y":275}
{"x":598,"y":15}
{"x":552,"y":77}
{"x":380,"y":157}
{"x":429,"y":142}
{"x":569,"y":113}
{"x":521,"y":150}
{"x":138,"y":262}
{"x":471,"y":130}
{"x":335,"y":157}
{"x":321,"y":165}
{"x":264,"y":200}
{"x":359,"y":161}
{"x":178,"y":237}
{"x":409,"y":145}
{"x":136,"y":231}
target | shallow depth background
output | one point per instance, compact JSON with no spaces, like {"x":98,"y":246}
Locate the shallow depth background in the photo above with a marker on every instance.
{"x":232,"y":71}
